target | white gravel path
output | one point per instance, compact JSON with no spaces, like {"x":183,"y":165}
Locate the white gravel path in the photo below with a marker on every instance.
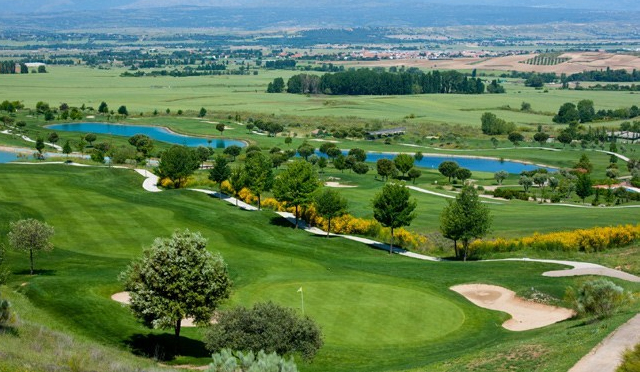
{"x":151,"y":180}
{"x":418,"y":189}
{"x":578,"y":268}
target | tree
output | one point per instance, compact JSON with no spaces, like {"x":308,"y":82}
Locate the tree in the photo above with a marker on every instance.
{"x":90,"y":137}
{"x":53,"y":137}
{"x":142,"y":143}
{"x":584,"y":163}
{"x":333,"y":152}
{"x":81,"y":145}
{"x":418,"y":156}
{"x":103,"y":108}
{"x":329,"y":204}
{"x":326,"y":146}
{"x":66,"y":149}
{"x":296,"y":185}
{"x":464,"y":219}
{"x":203,"y":154}
{"x":493,"y":125}
{"x":202,"y":113}
{"x":227,"y":360}
{"x":5,"y":312}
{"x":393,"y":208}
{"x":237,"y":181}
{"x":220,"y":128}
{"x":305,"y":150}
{"x":494,"y":142}
{"x":277,"y":86}
{"x":500,"y":176}
{"x":526,"y":182}
{"x":586,"y":112}
{"x":178,"y":163}
{"x":322,"y":163}
{"x":385,"y":168}
{"x":565,"y":138}
{"x":448,"y":168}
{"x":403,"y":163}
{"x":462,"y":174}
{"x":567,"y":113}
{"x":360,"y":168}
{"x":258,"y":169}
{"x":414,"y":173}
{"x":584,"y":186}
{"x":122,"y":110}
{"x":340,"y":162}
{"x":349,"y":162}
{"x":176,"y":278}
{"x":359,"y":154}
{"x":541,"y":137}
{"x":525,"y":106}
{"x":30,"y":235}
{"x":288,"y":140}
{"x":540,"y":179}
{"x":220,"y":171}
{"x":232,"y":151}
{"x":515,"y":138}
{"x":39,"y":144}
{"x":266,"y":326}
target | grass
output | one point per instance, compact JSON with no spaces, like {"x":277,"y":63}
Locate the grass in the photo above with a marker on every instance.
{"x":379,"y":313}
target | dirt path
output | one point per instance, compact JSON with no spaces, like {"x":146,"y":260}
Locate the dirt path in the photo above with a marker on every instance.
{"x":607,"y":355}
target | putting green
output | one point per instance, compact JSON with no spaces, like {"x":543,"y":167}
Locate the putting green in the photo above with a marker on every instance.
{"x":357,"y":313}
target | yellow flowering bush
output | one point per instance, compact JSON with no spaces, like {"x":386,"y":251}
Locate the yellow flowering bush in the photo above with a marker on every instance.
{"x":594,"y":239}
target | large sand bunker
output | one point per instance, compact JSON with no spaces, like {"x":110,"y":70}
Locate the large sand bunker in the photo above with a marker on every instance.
{"x":525,"y":315}
{"x":124,"y":298}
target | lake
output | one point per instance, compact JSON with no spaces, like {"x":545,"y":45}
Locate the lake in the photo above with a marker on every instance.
{"x":6,"y":156}
{"x":157,"y":133}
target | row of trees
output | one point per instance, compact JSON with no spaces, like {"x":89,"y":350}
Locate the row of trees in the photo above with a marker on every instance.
{"x":375,"y":82}
{"x":584,"y":112}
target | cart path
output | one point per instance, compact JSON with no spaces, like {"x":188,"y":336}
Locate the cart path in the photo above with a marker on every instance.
{"x":607,"y":355}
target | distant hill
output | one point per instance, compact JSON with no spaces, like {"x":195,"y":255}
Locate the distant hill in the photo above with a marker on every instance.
{"x":261,"y":14}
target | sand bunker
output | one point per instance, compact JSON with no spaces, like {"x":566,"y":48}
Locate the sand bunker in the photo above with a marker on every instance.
{"x":525,"y":315}
{"x":124,"y":298}
{"x":337,"y":184}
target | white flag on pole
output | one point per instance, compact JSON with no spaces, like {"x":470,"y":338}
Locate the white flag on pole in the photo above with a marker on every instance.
{"x":300,"y":289}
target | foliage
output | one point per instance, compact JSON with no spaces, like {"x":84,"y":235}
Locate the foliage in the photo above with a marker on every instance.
{"x":630,"y":360}
{"x":176,"y":278}
{"x":492,"y":125}
{"x":515,"y":138}
{"x":220,"y":171}
{"x":596,"y":239}
{"x":329,"y":204}
{"x":393,"y":208}
{"x":448,"y":168}
{"x":464,"y":219}
{"x":178,"y":163}
{"x":296,"y":185}
{"x":5,"y":312}
{"x":500,"y":176}
{"x":228,"y":361}
{"x":30,"y":235}
{"x":232,"y":151}
{"x":142,"y":143}
{"x":598,"y":298}
{"x":584,"y":163}
{"x":414,"y":173}
{"x":360,"y":168}
{"x":403,"y":163}
{"x":584,"y":186}
{"x":306,"y":149}
{"x":462,"y":174}
{"x":567,"y":113}
{"x":386,"y":168}
{"x":267,"y":326}
{"x":258,"y":171}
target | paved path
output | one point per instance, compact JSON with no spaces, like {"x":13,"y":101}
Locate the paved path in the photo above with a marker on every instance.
{"x":607,"y":355}
{"x":418,"y":189}
{"x":151,"y":180}
{"x":57,"y":147}
{"x":578,"y":268}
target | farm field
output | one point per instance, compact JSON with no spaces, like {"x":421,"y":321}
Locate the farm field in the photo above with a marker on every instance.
{"x":378,"y":313}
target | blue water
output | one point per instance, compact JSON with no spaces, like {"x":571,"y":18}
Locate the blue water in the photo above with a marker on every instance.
{"x":6,"y":157}
{"x":156,"y":133}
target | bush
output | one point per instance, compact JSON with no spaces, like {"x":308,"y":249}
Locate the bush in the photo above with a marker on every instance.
{"x":266,"y":326}
{"x":226,"y":361}
{"x":631,"y":361}
{"x":5,"y":312}
{"x":598,"y":298}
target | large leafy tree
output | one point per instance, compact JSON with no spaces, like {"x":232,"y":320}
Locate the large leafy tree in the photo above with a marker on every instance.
{"x":237,"y":181}
{"x":220,"y":171}
{"x":403,"y":163}
{"x":584,"y":186}
{"x":176,"y":278}
{"x":329,"y":204}
{"x":267,"y":327}
{"x":393,"y":208}
{"x":448,"y":168}
{"x":305,"y":150}
{"x":464,"y":219}
{"x":385,"y":168}
{"x":296,"y":185}
{"x":178,"y":163}
{"x":359,"y":154}
{"x":258,"y":170}
{"x":30,"y":235}
{"x":142,"y":143}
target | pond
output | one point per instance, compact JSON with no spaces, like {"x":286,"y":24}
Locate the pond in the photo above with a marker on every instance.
{"x":6,"y":156}
{"x":473,"y":164}
{"x":157,"y":133}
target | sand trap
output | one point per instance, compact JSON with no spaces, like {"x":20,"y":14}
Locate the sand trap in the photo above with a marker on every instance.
{"x":337,"y":184}
{"x":124,"y":298}
{"x":525,"y":315}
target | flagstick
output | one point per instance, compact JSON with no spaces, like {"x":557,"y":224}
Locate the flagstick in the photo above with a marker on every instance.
{"x":302,"y":300}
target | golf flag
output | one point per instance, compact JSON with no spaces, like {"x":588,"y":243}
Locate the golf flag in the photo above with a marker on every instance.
{"x":300,"y":289}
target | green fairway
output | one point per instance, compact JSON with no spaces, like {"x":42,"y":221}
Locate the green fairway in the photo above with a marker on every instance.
{"x":378,"y":313}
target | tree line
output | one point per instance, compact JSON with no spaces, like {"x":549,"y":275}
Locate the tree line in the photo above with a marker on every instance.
{"x":379,"y":82}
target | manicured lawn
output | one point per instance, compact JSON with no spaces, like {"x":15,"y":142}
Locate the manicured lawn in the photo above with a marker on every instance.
{"x":378,"y":312}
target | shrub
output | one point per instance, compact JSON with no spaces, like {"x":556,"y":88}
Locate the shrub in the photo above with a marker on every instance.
{"x":598,"y":298}
{"x":266,"y":326}
{"x":228,"y":361}
{"x":5,"y":312}
{"x":631,"y":361}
